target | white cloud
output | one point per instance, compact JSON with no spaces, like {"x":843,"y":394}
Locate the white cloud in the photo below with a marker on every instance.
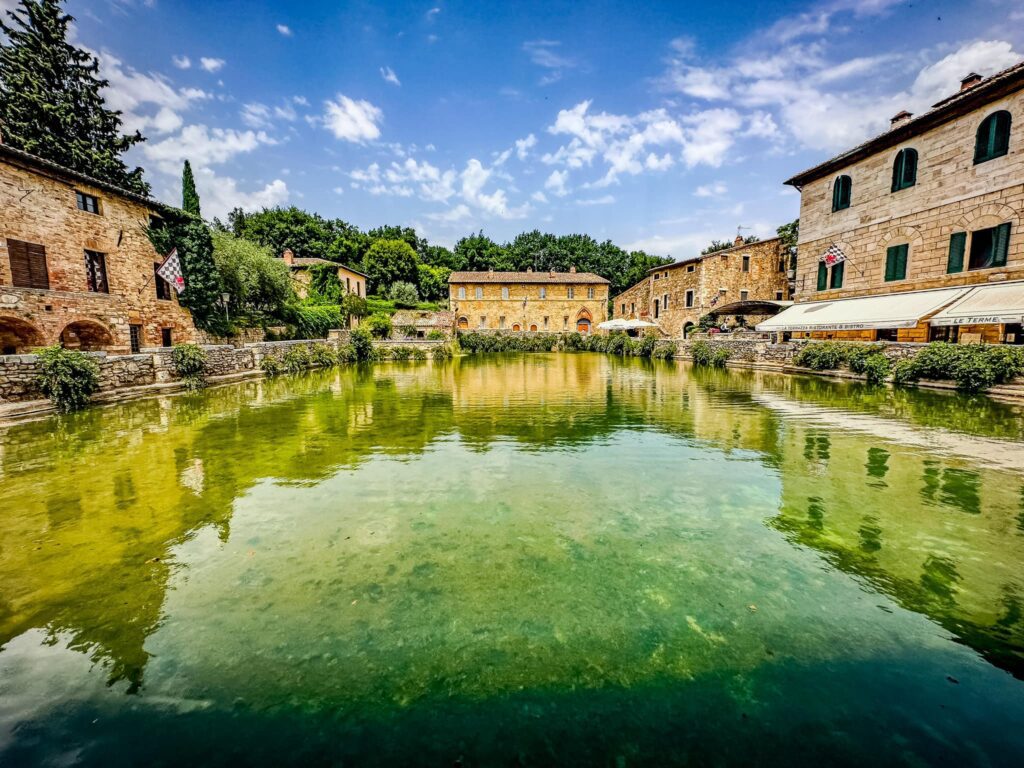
{"x":547,"y":54}
{"x":211,"y":64}
{"x":203,"y":146}
{"x":389,"y":76}
{"x":709,"y":136}
{"x":221,"y":194}
{"x":938,"y":80}
{"x":539,"y":197}
{"x":556,"y":183}
{"x":605,"y":200}
{"x":149,"y":102}
{"x":523,"y":146}
{"x":352,"y":120}
{"x":285,"y":30}
{"x":461,"y":212}
{"x":256,"y":115}
{"x":182,"y":62}
{"x":302,"y":101}
{"x":716,"y":189}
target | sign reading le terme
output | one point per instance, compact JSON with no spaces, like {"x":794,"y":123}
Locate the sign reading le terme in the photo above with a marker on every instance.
{"x":978,"y":320}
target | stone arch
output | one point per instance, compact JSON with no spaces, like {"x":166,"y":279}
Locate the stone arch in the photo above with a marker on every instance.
{"x":899,"y":236}
{"x":86,"y":334}
{"x":516,"y":328}
{"x":984,"y":216}
{"x":18,"y":336}
{"x":463,"y":323}
{"x":584,"y":314}
{"x":533,"y":327}
{"x":688,"y":328}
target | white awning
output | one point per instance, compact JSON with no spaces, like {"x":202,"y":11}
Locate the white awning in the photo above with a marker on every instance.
{"x":893,"y":310}
{"x":984,"y":305}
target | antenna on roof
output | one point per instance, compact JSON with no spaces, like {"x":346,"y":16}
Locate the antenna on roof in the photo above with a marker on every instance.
{"x":739,"y":228}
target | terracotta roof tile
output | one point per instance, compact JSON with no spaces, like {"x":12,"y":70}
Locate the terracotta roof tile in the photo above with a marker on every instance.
{"x":527,"y":277}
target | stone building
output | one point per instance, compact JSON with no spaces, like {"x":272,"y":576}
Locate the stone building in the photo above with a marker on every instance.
{"x":555,"y":302}
{"x":928,"y":217}
{"x":419,"y":324}
{"x":352,"y":281}
{"x":76,"y":266}
{"x":747,"y":283}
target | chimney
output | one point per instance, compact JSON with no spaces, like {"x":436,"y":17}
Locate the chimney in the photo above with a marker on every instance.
{"x":288,"y":256}
{"x":737,"y":241}
{"x":899,"y":119}
{"x":490,"y":270}
{"x":572,"y":270}
{"x":529,"y":269}
{"x":970,"y":81}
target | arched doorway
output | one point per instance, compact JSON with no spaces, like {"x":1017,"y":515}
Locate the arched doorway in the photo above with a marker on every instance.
{"x":516,"y":328}
{"x":18,"y":337}
{"x":686,"y":329}
{"x":463,"y":323}
{"x":583,"y":321}
{"x":86,"y":335}
{"x":533,"y":327}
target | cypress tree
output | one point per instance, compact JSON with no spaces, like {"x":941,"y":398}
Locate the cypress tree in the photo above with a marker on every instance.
{"x":189,"y":195}
{"x":51,"y":101}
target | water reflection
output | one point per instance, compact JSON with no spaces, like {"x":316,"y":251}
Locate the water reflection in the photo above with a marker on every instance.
{"x":491,"y":525}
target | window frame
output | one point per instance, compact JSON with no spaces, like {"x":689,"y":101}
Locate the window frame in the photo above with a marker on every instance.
{"x":842,"y":192}
{"x":688,"y":299}
{"x":904,"y":169}
{"x":96,"y":278}
{"x":745,"y":264}
{"x":989,"y":142}
{"x":83,"y":200}
{"x":35,"y":266}
{"x":999,"y":244}
{"x":896,"y":258}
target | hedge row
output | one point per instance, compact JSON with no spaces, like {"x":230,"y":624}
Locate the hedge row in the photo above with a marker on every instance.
{"x":613,"y":344}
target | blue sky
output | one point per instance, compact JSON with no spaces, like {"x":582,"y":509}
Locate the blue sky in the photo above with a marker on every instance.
{"x":659,"y":125}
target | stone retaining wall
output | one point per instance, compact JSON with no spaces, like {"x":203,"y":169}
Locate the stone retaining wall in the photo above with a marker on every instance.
{"x":18,"y":373}
{"x":756,"y":350}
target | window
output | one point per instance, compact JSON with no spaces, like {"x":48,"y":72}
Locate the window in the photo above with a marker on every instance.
{"x":657,"y":276}
{"x":483,"y":321}
{"x":836,"y":280}
{"x":87,"y":203}
{"x":744,"y":295}
{"x":96,"y":272}
{"x":623,"y":309}
{"x":989,"y":247}
{"x":778,"y":295}
{"x":135,"y":338}
{"x":165,"y":337}
{"x":570,"y":292}
{"x":993,"y":139}
{"x":664,"y":301}
{"x":28,"y":265}
{"x":163,"y":288}
{"x":504,"y":291}
{"x":478,"y":292}
{"x":689,"y":299}
{"x":632,"y":308}
{"x":725,"y":258}
{"x":782,"y":264}
{"x":462,"y":292}
{"x":590,"y":293}
{"x":896,"y":263}
{"x":565,"y":323}
{"x":904,"y":169}
{"x":545,"y":322}
{"x":657,"y":307}
{"x":746,"y":263}
{"x":348,"y":285}
{"x":543,"y":291}
{"x":957,"y":247}
{"x":822,"y":276}
{"x":690,"y":268}
{"x":842,"y":192}
{"x":501,"y":321}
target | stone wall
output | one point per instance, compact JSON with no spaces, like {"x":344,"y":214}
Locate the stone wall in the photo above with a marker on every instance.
{"x":717,"y":277}
{"x":240,"y":339}
{"x":524,"y":306}
{"x":952,"y":194}
{"x":752,"y":348}
{"x":40,"y":208}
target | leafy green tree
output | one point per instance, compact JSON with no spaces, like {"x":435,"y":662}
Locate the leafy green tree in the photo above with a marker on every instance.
{"x":202,"y":294}
{"x":722,"y":245}
{"x":439,"y":256}
{"x":790,"y":234}
{"x":408,"y":234}
{"x":389,"y":261}
{"x":433,"y":282}
{"x":379,"y":325}
{"x":354,"y":306}
{"x":189,"y":195}
{"x":67,"y":377}
{"x":309,"y":235}
{"x":404,"y":295}
{"x":255,"y":280}
{"x":51,"y":101}
{"x":324,"y":285}
{"x":480,"y":253}
{"x":637,"y":268}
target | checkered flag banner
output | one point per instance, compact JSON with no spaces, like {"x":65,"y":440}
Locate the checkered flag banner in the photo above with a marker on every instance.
{"x":833,"y":255}
{"x":170,"y":271}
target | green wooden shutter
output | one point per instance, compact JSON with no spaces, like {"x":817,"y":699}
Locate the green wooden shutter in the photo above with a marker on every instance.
{"x":957,"y":245}
{"x":890,"y":263}
{"x":1001,"y":134}
{"x":901,"y":262}
{"x":1000,"y":245}
{"x":837,"y":189}
{"x":909,"y":167}
{"x":837,"y":275}
{"x":822,"y":276}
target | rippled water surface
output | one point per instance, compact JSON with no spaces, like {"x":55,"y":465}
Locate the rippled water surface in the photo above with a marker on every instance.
{"x":522,"y":560}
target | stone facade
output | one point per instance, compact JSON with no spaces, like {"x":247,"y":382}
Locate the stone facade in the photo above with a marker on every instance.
{"x":952,"y":194}
{"x":351,"y":280}
{"x":38,"y":206}
{"x":555,"y":302}
{"x":678,"y":295}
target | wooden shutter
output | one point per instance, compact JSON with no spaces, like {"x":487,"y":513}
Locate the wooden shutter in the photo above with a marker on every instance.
{"x":1000,"y":245}
{"x":896,"y":262}
{"x":897,"y":172}
{"x":822,"y":276}
{"x":28,"y":265}
{"x":901,"y":262}
{"x":837,"y":275}
{"x":957,"y":246}
{"x":1001,"y":134}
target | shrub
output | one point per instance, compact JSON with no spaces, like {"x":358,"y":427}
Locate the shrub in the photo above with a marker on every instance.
{"x":442,"y":352}
{"x":617,"y":343}
{"x":322,"y":356}
{"x":379,"y":325}
{"x":644,"y":347}
{"x":904,"y":373}
{"x":973,"y":372}
{"x":701,"y":353}
{"x":719,"y":357}
{"x":400,"y":353}
{"x":664,"y":350}
{"x":314,"y":321}
{"x":362,"y":345}
{"x":67,"y":377}
{"x":404,"y":295}
{"x":347,"y":354}
{"x":875,"y":367}
{"x":296,"y":360}
{"x":354,"y":306}
{"x":271,"y":366}
{"x":821,"y":356}
{"x":706,"y":322}
{"x":436,"y":335}
{"x":974,"y":367}
{"x":190,"y":365}
{"x":418,"y":353}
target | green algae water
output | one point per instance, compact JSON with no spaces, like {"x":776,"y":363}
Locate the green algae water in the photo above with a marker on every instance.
{"x":521,"y":560}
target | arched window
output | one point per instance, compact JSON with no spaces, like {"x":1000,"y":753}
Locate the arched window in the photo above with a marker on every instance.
{"x":463,"y":323}
{"x":993,"y":138}
{"x":904,"y":169}
{"x":842,"y":192}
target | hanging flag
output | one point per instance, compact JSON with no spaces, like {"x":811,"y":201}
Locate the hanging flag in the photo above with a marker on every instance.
{"x":832,"y":256}
{"x":170,"y":271}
